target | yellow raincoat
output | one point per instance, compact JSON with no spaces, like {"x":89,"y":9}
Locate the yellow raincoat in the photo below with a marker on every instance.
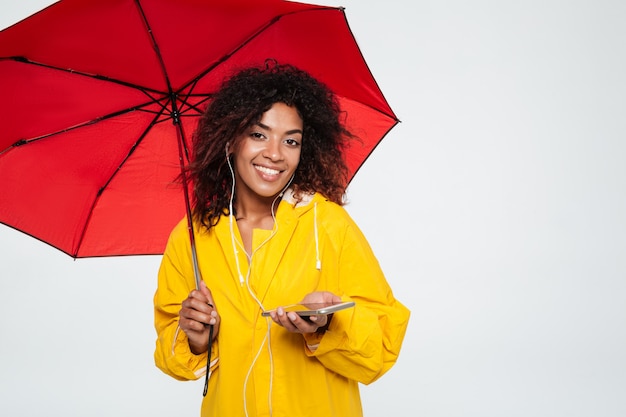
{"x":256,"y":364}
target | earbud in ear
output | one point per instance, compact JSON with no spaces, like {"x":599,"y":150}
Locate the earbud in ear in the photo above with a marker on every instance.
{"x":226,"y":148}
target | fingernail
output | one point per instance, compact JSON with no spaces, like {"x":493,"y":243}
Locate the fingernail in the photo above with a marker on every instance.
{"x":292,"y":316}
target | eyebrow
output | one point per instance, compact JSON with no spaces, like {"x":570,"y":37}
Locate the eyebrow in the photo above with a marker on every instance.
{"x":289,"y":132}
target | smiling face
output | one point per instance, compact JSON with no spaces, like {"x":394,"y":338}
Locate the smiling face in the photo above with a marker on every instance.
{"x":268,"y":154}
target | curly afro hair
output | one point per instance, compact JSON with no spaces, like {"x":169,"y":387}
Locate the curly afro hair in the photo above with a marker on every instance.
{"x":240,"y":103}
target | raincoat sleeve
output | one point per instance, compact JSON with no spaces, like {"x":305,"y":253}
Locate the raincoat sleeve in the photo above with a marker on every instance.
{"x":175,"y":281}
{"x":361,"y":343}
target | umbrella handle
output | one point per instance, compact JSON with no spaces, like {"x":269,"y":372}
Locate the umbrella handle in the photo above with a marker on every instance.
{"x":208,"y":362}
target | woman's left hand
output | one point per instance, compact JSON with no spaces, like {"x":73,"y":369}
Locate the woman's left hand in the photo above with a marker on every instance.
{"x":296,"y":324}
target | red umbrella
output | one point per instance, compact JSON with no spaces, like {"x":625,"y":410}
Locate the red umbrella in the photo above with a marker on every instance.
{"x":100,"y":98}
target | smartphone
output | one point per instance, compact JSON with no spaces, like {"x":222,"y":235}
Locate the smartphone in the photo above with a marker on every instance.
{"x":314,"y":309}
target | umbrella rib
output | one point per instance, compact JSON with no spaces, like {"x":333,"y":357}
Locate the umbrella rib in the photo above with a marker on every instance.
{"x":108,"y":181}
{"x":25,"y":60}
{"x":22,"y":142}
{"x":184,"y":102}
{"x":188,"y":107}
{"x":155,"y":45}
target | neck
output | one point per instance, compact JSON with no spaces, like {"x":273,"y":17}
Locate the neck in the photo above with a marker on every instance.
{"x":252,"y":217}
{"x":253,"y":211}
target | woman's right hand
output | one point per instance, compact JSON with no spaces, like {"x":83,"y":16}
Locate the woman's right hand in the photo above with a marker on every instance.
{"x":196,"y":313}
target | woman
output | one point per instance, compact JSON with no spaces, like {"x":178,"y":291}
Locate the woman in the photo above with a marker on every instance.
{"x":270,"y":230}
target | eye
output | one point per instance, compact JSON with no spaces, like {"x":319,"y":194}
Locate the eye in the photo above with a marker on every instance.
{"x":292,"y":142}
{"x":257,"y":135}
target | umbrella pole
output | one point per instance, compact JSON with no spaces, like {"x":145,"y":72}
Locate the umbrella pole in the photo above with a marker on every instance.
{"x":192,"y":238}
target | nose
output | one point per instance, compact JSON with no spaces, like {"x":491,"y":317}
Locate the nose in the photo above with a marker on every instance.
{"x":272,"y":150}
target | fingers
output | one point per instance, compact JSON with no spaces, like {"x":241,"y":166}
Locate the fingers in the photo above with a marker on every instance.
{"x":206,"y":292}
{"x":321,"y":297}
{"x":320,"y":321}
{"x":197,"y":311}
{"x":296,"y":324}
{"x":196,"y":307}
{"x":200,"y":300}
{"x":203,"y":294}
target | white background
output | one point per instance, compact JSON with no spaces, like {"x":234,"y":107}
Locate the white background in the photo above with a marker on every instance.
{"x":497,"y":209}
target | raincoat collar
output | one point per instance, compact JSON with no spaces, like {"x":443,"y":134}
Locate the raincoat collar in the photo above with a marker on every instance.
{"x":288,"y":215}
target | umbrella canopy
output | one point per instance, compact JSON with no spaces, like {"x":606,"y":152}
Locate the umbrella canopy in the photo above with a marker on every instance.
{"x":102,"y":96}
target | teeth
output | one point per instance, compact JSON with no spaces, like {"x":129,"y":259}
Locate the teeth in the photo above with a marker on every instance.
{"x":267,"y":171}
